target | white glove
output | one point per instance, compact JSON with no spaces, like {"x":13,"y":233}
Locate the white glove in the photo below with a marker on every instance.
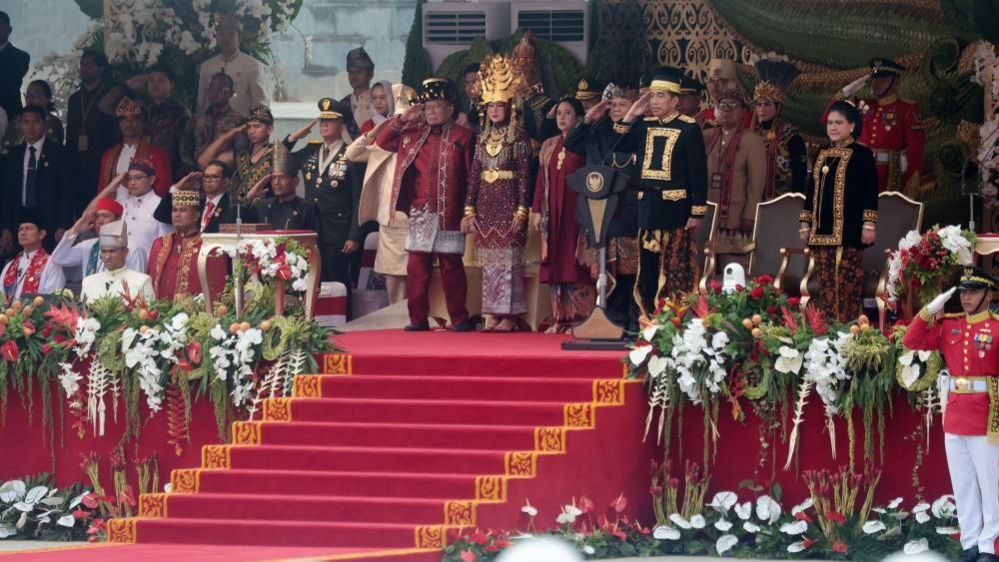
{"x":855,"y":86}
{"x":937,"y":304}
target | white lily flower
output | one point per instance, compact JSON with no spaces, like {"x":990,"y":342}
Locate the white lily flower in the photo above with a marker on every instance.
{"x":874,"y":526}
{"x":750,"y":527}
{"x":796,"y":547}
{"x":698,"y":521}
{"x":723,"y":501}
{"x":944,"y":507}
{"x":922,"y":517}
{"x":948,"y":530}
{"x":807,"y":504}
{"x":789,"y":361}
{"x":795,"y":528}
{"x":767,"y":509}
{"x":725,"y":543}
{"x":638,"y":355}
{"x":723,"y":525}
{"x":530,"y":510}
{"x":744,"y":510}
{"x":680,"y":521}
{"x":665,"y":533}
{"x":916,"y":547}
{"x":588,"y":549}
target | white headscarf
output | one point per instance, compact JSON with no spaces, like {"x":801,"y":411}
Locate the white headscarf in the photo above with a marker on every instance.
{"x":376,"y":117}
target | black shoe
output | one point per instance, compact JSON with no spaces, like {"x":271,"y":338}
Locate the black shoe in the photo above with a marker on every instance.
{"x":969,"y":555}
{"x":986,"y":557}
{"x":466,"y":326}
{"x":419,"y":327}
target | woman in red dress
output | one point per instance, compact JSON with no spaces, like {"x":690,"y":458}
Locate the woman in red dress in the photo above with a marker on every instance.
{"x":562,"y":244}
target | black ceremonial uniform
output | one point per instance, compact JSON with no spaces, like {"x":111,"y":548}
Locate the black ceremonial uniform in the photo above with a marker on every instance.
{"x":672,"y":171}
{"x":335,"y":190}
{"x":295,"y":214}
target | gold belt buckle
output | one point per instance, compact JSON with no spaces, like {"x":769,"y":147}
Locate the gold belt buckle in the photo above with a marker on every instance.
{"x":962,"y":384}
{"x":490,"y":176}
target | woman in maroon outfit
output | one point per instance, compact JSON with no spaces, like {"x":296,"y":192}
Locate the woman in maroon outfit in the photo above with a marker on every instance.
{"x":562,"y":246}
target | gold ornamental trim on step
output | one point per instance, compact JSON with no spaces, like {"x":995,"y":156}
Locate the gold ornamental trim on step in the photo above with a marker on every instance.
{"x":185,"y":480}
{"x":549,"y":439}
{"x":277,"y":409}
{"x":490,"y":488}
{"x":152,"y":505}
{"x":245,"y":433}
{"x":579,"y":415}
{"x":122,"y":531}
{"x":459,"y":513}
{"x":336,"y":364}
{"x":521,"y":464}
{"x":307,"y":386}
{"x":216,"y":457}
{"x":431,"y":536}
{"x":608,"y":391}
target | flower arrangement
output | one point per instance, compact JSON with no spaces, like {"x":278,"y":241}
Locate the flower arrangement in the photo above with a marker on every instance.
{"x":117,"y":353}
{"x":838,"y":521}
{"x":34,"y":508}
{"x":281,"y":259}
{"x":921,"y":263}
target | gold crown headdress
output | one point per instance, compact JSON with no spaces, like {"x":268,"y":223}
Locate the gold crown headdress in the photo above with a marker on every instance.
{"x":497,"y":80}
{"x":776,"y":75}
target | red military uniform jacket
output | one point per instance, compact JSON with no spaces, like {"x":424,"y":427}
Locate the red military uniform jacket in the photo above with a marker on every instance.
{"x":452,"y":150}
{"x":145,"y":151}
{"x":970,"y":348}
{"x":173,"y":266}
{"x":892,"y":126}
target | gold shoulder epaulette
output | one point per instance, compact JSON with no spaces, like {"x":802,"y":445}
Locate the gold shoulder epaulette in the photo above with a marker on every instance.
{"x":955,"y":315}
{"x":315,"y":141}
{"x":687,"y":119}
{"x":994,"y":315}
{"x":651,"y":119}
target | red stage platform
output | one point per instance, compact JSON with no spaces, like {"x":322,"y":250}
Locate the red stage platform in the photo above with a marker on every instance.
{"x":431,"y":432}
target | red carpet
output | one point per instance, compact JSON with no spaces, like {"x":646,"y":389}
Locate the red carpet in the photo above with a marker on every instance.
{"x":429,"y":432}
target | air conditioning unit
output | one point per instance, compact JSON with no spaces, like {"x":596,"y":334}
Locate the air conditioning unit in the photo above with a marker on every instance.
{"x":565,"y":22}
{"x":451,"y":27}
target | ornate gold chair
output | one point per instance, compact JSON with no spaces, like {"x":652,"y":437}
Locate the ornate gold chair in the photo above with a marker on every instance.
{"x":897,"y":215}
{"x":777,"y":248}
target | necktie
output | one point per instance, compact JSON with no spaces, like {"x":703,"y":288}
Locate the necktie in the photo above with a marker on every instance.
{"x":30,"y":198}
{"x":209,"y":208}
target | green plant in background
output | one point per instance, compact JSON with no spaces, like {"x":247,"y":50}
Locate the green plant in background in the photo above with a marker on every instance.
{"x":32,"y":507}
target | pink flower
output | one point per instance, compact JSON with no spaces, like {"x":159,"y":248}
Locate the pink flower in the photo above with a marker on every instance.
{"x":839,"y":546}
{"x":468,"y":556}
{"x":10,"y":351}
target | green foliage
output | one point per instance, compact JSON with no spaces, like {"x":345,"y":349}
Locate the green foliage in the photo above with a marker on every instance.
{"x":416,"y":66}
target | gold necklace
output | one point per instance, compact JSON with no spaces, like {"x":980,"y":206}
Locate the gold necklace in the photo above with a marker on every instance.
{"x":494,"y":144}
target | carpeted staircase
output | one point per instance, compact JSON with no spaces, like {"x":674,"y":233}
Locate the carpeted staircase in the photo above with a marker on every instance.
{"x":408,"y":437}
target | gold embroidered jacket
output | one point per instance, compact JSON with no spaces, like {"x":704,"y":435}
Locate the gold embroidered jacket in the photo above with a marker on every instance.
{"x":671,"y":170}
{"x":843,"y":195}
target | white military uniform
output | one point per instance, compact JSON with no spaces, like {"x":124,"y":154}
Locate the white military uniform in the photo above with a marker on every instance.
{"x":69,"y":254}
{"x":143,"y":229}
{"x":248,"y":77}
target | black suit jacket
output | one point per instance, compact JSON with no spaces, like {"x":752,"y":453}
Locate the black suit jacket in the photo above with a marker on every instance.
{"x":225,"y":213}
{"x":55,"y":187}
{"x":13,"y":66}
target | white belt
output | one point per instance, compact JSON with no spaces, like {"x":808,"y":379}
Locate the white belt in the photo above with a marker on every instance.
{"x":964,"y":386}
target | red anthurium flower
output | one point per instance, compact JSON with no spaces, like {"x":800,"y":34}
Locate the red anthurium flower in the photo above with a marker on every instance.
{"x":80,"y":514}
{"x":194,"y":352}
{"x":836,"y":516}
{"x":478,"y":537}
{"x":90,"y":500}
{"x":839,"y":546}
{"x":10,"y":352}
{"x":619,"y":504}
{"x":468,"y":556}
{"x":809,"y":543}
{"x":621,"y":535}
{"x":586,"y":504}
{"x":802,"y":516}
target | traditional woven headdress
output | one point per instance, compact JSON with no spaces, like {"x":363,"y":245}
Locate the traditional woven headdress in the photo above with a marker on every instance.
{"x":776,"y":75}
{"x":261,"y":114}
{"x":284,"y":162}
{"x":143,"y":165}
{"x":438,"y":89}
{"x":114,"y":235}
{"x":185,"y":198}
{"x":497,"y":80}
{"x":128,"y":108}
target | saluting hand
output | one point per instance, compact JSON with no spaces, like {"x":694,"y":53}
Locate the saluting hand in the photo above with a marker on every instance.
{"x":182,"y":184}
{"x":596,"y":112}
{"x":304,"y":131}
{"x":639,"y":108}
{"x":412,"y":114}
{"x":257,"y":191}
{"x":234,"y":131}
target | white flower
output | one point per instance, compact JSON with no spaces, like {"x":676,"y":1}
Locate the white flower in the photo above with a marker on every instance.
{"x":790,"y":360}
{"x":744,"y":510}
{"x":638,"y":355}
{"x":796,"y":547}
{"x":767,"y":509}
{"x":665,"y":533}
{"x":650,"y":332}
{"x":916,"y":546}
{"x":530,"y":510}
{"x":795,"y":528}
{"x":944,"y":507}
{"x":719,"y":340}
{"x":568,"y":515}
{"x":725,"y":543}
{"x":802,"y":506}
{"x":922,"y":517}
{"x":874,"y":526}
{"x":750,"y":527}
{"x":948,"y":530}
{"x":680,"y":521}
{"x":723,"y":501}
{"x":723,"y":525}
{"x":698,"y":521}
{"x":920,"y":507}
{"x":69,"y":379}
{"x":588,"y":549}
{"x":658,"y":365}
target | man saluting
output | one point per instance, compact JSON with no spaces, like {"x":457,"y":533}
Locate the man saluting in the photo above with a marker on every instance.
{"x":971,"y":417}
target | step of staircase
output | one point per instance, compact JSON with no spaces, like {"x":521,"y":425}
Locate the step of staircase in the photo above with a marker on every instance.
{"x":372,"y":459}
{"x":340,"y":483}
{"x":270,"y":532}
{"x":404,"y":435}
{"x":470,"y":412}
{"x":317,"y":507}
{"x":458,"y":388}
